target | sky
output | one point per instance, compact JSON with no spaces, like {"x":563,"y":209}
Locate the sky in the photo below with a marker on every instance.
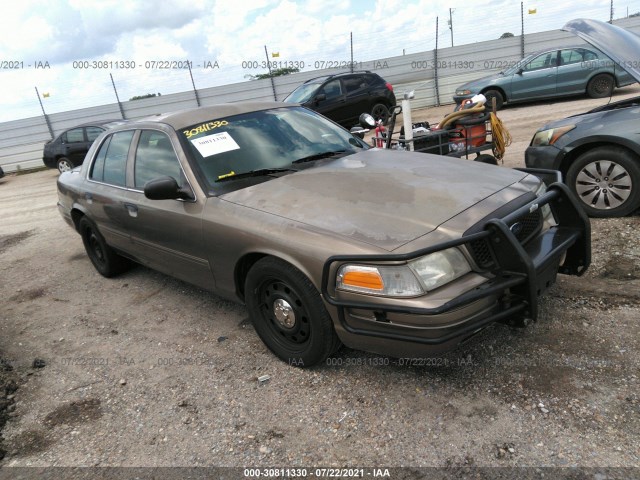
{"x":67,"y":49}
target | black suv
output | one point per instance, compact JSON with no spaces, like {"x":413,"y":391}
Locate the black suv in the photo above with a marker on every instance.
{"x":344,"y":96}
{"x":69,"y":148}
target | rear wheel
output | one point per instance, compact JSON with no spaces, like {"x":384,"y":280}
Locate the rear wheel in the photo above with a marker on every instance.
{"x":106,"y":261}
{"x":607,"y":181}
{"x":64,"y":164}
{"x":380,"y":112}
{"x":489,"y":95}
{"x":288,"y":313}
{"x":600,"y":86}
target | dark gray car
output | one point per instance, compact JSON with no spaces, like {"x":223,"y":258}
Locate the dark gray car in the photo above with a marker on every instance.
{"x":598,"y":151}
{"x":325,"y":240}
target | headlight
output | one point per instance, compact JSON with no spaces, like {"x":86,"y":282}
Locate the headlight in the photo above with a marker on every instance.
{"x":463,"y":92}
{"x":551,"y":136}
{"x":415,"y":278}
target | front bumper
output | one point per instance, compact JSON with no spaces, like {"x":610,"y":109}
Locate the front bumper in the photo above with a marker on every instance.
{"x":519,"y":275}
{"x":548,"y":157}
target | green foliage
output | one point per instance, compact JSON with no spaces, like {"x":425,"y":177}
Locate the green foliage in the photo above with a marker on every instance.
{"x":278,"y":72}
{"x":148,"y":95}
{"x":506,"y":35}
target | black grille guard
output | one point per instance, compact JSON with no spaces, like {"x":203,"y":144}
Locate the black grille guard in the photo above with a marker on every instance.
{"x":523,"y":272}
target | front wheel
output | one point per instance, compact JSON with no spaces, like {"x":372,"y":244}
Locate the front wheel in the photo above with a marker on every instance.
{"x":600,"y":86}
{"x":490,"y":94}
{"x":607,"y":181}
{"x":288,"y":313}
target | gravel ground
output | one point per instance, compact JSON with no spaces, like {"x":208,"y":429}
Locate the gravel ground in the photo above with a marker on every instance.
{"x":144,"y":370}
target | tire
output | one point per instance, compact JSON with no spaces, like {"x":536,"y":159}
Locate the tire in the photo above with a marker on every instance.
{"x":486,"y":158}
{"x":64,"y":164}
{"x":607,"y":181}
{"x":106,"y":261}
{"x":600,"y":86}
{"x":288,"y":313}
{"x":380,"y":111}
{"x":489,"y":94}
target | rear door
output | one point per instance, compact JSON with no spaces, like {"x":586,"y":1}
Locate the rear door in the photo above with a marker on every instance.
{"x":108,"y":192}
{"x":359,"y":96}
{"x":75,"y":145}
{"x":165,"y":234}
{"x":537,"y":79}
{"x":574,"y":70}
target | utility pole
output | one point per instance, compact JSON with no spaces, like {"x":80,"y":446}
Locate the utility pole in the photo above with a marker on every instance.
{"x":611,"y":14}
{"x":451,"y":10}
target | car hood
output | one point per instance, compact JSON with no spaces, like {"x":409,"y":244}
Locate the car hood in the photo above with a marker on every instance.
{"x":480,"y":83}
{"x":621,"y":45}
{"x":380,"y":197}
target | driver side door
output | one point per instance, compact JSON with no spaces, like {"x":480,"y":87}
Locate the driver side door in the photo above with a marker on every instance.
{"x":537,"y":79}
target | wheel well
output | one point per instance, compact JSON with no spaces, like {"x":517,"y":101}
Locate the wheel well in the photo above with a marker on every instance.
{"x":499,"y":89}
{"x":576,"y":152}
{"x":242,"y":269}
{"x":615,"y":80}
{"x":76,"y":216}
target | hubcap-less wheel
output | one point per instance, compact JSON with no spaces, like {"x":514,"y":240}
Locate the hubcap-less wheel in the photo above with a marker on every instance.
{"x":603,"y":184}
{"x":64,"y":165}
{"x":288,"y":313}
{"x":96,"y":248}
{"x":380,"y":112}
{"x":284,"y":312}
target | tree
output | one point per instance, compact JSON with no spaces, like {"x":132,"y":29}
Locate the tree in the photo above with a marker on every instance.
{"x":506,"y":35}
{"x":278,"y":72}
{"x":148,"y":95}
{"x":637,"y":14}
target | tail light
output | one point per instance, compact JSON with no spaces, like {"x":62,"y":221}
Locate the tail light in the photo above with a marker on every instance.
{"x":389,"y":86}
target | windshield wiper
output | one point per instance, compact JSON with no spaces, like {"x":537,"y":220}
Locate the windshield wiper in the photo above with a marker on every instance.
{"x":253,"y":173}
{"x":319,"y":156}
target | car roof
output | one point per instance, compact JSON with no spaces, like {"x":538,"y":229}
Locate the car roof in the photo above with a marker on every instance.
{"x":183,"y":118}
{"x":327,"y":77}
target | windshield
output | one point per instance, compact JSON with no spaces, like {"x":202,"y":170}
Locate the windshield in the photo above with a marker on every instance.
{"x":303,"y":93}
{"x":268,"y":139}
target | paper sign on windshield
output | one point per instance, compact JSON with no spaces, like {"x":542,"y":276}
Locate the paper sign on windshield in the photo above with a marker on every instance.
{"x":215,"y":143}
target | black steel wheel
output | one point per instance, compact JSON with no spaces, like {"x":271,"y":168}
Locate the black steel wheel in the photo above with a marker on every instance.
{"x":288,"y":313}
{"x":380,"y":112}
{"x":607,"y":181}
{"x":106,"y":261}
{"x":600,"y":86}
{"x":490,"y":94}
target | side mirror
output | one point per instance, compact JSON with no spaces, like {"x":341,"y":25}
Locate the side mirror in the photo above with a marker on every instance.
{"x":165,"y":188}
{"x":367,"y":121}
{"x":358,"y":132}
{"x":519,"y":71}
{"x":320,"y":97}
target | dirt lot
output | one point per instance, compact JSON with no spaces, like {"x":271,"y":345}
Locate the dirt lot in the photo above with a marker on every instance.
{"x":144,"y":370}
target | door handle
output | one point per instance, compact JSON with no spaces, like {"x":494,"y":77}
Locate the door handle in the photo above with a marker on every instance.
{"x":132,"y":209}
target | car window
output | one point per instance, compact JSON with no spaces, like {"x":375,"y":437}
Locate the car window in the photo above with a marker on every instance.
{"x":589,"y":55}
{"x":155,"y":158}
{"x":352,"y":84}
{"x":75,"y":136}
{"x":571,"y":56}
{"x":332,"y":89}
{"x":93,"y":133}
{"x":544,"y":60}
{"x":110,"y":165}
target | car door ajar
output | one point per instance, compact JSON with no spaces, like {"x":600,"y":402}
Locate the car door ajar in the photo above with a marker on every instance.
{"x":537,"y":79}
{"x":166,"y":234}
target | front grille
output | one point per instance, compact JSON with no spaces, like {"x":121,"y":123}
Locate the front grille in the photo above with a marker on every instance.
{"x":524,"y":229}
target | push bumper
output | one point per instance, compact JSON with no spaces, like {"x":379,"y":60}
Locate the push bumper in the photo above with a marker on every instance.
{"x":521,"y":273}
